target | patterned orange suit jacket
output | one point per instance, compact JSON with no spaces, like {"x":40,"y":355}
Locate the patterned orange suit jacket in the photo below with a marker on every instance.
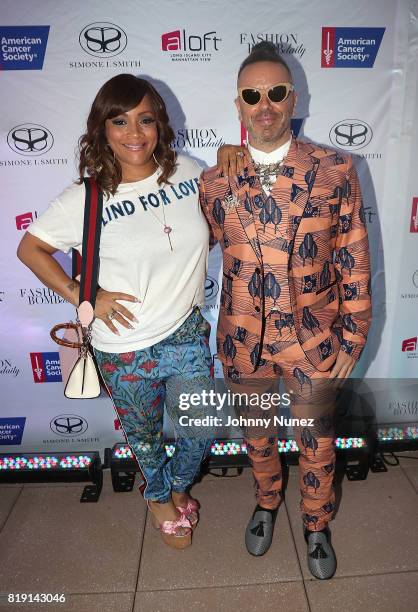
{"x":326,"y":246}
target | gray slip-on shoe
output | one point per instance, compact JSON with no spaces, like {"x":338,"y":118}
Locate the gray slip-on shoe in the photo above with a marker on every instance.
{"x":259,"y":532}
{"x":322,"y":562}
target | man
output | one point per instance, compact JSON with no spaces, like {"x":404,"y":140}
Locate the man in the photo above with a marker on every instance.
{"x":295,"y":295}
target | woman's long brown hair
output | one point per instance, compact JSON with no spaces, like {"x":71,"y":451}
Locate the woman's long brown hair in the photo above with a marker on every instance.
{"x":119,"y":95}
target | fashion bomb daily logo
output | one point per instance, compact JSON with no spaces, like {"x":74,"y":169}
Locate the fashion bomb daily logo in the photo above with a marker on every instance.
{"x":40,"y":296}
{"x":350,"y":47}
{"x":186,"y":47}
{"x":23,"y":47}
{"x":8,"y":368}
{"x":287,"y":43}
{"x":31,"y":141}
{"x":46,"y":367}
{"x":103,"y":41}
{"x":413,"y":227}
{"x":197,"y":138}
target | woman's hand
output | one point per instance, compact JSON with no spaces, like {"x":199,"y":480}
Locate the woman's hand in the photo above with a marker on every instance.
{"x":108,"y":309}
{"x":232,"y":160}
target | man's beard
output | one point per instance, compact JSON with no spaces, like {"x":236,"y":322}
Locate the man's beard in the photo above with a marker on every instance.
{"x":270,"y":134}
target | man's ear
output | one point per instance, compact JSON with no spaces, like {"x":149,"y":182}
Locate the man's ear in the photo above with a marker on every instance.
{"x":237,"y":104}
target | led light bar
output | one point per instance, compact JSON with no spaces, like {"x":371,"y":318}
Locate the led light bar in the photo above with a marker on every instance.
{"x":39,"y":463}
{"x":389,"y":434}
{"x":222,"y":448}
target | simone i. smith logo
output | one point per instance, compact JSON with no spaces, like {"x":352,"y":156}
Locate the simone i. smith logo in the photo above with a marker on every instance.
{"x":30,"y":139}
{"x":23,"y":47}
{"x":46,"y":367}
{"x":103,"y":39}
{"x":185,"y":47}
{"x":350,"y":47}
{"x":351,"y":134}
{"x":68,"y":425}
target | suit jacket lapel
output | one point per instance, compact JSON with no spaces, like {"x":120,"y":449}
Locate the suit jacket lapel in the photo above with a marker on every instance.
{"x":248,"y":187}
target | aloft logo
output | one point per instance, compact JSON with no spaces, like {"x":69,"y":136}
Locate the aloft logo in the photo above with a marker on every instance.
{"x":24,"y":220}
{"x":46,"y":367}
{"x":178,"y":40}
{"x":413,"y":228}
{"x":410,"y":344}
{"x":23,"y":47}
{"x":350,"y":47}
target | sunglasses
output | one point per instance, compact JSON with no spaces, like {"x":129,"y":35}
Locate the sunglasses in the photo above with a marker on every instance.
{"x":277,"y":93}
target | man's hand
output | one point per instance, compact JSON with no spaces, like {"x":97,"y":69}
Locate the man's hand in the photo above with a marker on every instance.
{"x":232,"y":160}
{"x":343,"y":365}
{"x":108,"y":309}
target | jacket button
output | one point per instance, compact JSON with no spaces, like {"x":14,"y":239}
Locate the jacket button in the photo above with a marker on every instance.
{"x":257,"y":271}
{"x":257,"y":308}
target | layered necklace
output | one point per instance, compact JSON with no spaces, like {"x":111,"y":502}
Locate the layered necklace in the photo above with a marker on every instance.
{"x":267,"y":174}
{"x":267,"y":165}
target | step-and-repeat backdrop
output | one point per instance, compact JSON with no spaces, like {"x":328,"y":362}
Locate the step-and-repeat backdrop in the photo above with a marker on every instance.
{"x":355,"y":67}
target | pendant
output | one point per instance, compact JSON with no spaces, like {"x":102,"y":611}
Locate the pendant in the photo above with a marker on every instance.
{"x":168,"y":230}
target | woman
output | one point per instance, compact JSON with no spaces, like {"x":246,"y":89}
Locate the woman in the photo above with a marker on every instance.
{"x":149,"y":337}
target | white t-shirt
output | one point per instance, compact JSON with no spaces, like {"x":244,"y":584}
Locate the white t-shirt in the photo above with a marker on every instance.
{"x":135,"y":255}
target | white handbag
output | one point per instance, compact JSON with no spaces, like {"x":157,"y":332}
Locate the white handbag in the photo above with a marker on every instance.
{"x":79,"y":370}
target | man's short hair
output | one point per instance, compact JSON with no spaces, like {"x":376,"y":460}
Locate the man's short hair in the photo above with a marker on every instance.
{"x":264,"y":51}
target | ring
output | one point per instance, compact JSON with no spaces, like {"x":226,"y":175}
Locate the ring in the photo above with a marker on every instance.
{"x":112,"y":315}
{"x":240,"y":154}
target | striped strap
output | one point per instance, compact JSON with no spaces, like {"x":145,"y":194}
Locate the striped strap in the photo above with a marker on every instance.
{"x":91,"y":240}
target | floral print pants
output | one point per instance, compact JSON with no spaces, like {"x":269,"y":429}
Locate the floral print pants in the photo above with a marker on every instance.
{"x":142,"y":382}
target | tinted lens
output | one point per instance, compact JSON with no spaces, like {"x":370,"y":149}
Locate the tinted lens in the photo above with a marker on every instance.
{"x":251,"y":96}
{"x":278,"y":93}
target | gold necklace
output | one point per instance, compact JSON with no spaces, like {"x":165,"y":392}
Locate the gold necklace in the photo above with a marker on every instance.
{"x":167,"y":228}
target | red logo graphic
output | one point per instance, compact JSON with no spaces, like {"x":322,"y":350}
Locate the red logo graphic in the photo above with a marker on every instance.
{"x":328,"y":48}
{"x":244,"y":135}
{"x":414,"y":216}
{"x":23,"y":221}
{"x":410,"y":344}
{"x":170,"y":41}
{"x":37,"y":367}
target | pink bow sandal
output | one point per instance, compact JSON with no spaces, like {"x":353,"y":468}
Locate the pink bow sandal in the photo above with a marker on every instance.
{"x":191,"y":512}
{"x":177,"y":534}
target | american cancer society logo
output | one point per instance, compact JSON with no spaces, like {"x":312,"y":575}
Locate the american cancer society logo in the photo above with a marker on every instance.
{"x":350,"y":47}
{"x":23,"y":47}
{"x":11,"y":430}
{"x":46,"y":367}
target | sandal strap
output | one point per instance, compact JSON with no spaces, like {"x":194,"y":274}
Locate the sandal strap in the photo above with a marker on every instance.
{"x":171,"y":527}
{"x":192,"y":506}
